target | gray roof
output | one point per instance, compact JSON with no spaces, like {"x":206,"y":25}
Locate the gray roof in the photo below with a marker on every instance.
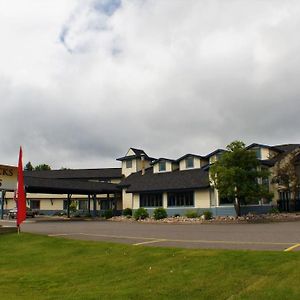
{"x":193,"y":155}
{"x":138,"y":153}
{"x":214,"y":152}
{"x":284,"y":150}
{"x":163,"y":159}
{"x":166,"y":181}
{"x":84,"y":174}
{"x":62,"y":186}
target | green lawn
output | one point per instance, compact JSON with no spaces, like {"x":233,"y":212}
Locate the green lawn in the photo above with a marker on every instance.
{"x":39,"y":267}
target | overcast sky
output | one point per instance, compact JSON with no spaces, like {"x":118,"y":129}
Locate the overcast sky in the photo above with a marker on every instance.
{"x":81,"y":81}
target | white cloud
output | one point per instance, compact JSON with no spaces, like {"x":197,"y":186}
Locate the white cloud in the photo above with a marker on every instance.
{"x":81,"y":81}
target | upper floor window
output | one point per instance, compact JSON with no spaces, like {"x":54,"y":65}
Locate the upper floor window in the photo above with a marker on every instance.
{"x":128,"y":164}
{"x":257,"y":152}
{"x":162,"y":166}
{"x":189,"y":162}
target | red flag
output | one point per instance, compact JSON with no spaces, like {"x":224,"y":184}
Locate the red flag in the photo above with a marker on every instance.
{"x":21,"y":199}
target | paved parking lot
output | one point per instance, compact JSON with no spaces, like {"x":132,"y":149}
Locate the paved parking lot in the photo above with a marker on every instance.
{"x":271,"y":236}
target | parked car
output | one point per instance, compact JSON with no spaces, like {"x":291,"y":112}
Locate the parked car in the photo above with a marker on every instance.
{"x":29,"y":213}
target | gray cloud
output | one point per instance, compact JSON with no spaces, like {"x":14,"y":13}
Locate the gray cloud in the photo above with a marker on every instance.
{"x":161,"y":75}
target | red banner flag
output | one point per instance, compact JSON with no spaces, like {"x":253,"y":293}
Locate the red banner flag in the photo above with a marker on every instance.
{"x":21,"y":199}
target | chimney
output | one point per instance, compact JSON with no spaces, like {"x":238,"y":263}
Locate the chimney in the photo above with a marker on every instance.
{"x":143,"y":163}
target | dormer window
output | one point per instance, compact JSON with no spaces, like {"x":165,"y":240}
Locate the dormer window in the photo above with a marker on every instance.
{"x":129,"y":164}
{"x":162,"y":166}
{"x":257,"y":152}
{"x":189,"y":162}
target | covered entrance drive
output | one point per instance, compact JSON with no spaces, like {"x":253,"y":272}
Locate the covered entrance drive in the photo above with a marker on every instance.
{"x":106,"y":195}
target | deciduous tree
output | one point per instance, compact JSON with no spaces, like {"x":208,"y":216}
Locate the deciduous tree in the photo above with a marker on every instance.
{"x":239,"y":176}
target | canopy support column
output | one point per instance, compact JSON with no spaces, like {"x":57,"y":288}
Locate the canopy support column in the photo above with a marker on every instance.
{"x":89,"y":203}
{"x":2,"y":204}
{"x":68,"y":205}
{"x":94,"y":206}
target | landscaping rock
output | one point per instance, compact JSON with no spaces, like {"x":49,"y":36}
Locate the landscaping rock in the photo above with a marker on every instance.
{"x":250,"y":218}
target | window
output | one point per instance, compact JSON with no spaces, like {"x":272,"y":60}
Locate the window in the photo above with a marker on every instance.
{"x":257,"y":152}
{"x":189,"y":162}
{"x":65,"y":207}
{"x":151,"y":200}
{"x":106,"y":204}
{"x":226,"y":200}
{"x":83,"y":204}
{"x":128,"y":164}
{"x":35,"y":204}
{"x":181,"y":199}
{"x":162,"y":166}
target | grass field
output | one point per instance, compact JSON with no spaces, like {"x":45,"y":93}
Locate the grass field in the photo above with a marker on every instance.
{"x":40,"y":267}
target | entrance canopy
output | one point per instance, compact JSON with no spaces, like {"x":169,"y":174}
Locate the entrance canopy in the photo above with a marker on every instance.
{"x":62,"y":186}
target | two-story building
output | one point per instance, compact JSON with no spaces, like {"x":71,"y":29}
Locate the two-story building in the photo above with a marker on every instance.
{"x":178,"y":185}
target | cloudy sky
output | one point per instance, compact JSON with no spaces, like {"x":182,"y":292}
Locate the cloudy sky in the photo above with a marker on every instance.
{"x":83,"y":80}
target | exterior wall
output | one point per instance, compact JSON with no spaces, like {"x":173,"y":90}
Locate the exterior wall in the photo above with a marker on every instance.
{"x":130,"y":152}
{"x":213,"y":159}
{"x":202,"y":198}
{"x":136,"y":201}
{"x":165,"y":200}
{"x":265,"y":153}
{"x":127,"y":199}
{"x":127,"y":171}
{"x":55,"y":204}
{"x":168,"y":167}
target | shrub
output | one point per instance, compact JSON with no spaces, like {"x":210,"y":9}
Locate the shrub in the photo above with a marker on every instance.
{"x":159,"y":213}
{"x":76,"y":214}
{"x":73,"y":207}
{"x":274,"y":210}
{"x":141,"y":214}
{"x":207,"y":215}
{"x":108,"y":214}
{"x":127,"y":212}
{"x":191,"y":214}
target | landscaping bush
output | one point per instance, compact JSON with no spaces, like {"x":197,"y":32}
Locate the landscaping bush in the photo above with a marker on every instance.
{"x":274,"y":210}
{"x":191,"y":214}
{"x":141,"y":214}
{"x":108,"y":214}
{"x":76,"y":214}
{"x":73,"y":207}
{"x":127,"y":212}
{"x":207,"y":215}
{"x":159,"y":213}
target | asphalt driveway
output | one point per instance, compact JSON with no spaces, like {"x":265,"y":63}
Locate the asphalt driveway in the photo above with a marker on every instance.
{"x":268,"y":236}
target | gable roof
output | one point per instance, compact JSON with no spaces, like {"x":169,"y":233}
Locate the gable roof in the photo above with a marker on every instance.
{"x":214,"y":152}
{"x":163,"y":159}
{"x":189,"y":154}
{"x":138,"y":153}
{"x":258,"y":145}
{"x":169,"y":181}
{"x":284,"y":150}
